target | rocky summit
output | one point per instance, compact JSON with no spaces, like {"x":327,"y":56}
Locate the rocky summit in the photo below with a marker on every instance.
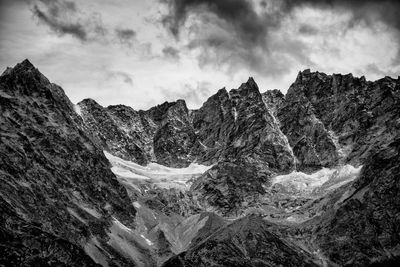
{"x":310,"y":178}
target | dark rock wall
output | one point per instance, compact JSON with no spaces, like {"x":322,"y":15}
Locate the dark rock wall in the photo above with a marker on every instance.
{"x":365,"y":229}
{"x":56,"y":183}
{"x":245,"y":242}
{"x":331,"y":118}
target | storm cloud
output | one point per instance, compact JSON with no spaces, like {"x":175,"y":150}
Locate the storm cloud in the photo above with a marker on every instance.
{"x":63,"y":18}
{"x":170,"y":52}
{"x":242,"y":32}
{"x":125,"y":36}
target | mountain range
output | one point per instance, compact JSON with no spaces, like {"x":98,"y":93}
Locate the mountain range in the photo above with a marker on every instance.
{"x":310,"y":178}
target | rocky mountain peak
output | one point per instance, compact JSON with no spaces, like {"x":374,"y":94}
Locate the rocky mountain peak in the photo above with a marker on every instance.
{"x":88,"y":102}
{"x":263,"y":151}
{"x":158,"y":112}
{"x":59,"y":192}
{"x":25,"y":64}
{"x":25,"y":70}
{"x":247,"y":87}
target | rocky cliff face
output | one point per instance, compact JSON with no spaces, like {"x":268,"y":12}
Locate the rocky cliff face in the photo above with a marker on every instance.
{"x":114,"y":136}
{"x":229,"y":126}
{"x":238,"y":132}
{"x":175,"y":137}
{"x":162,"y":134}
{"x":234,"y":130}
{"x":58,"y":193}
{"x":293,"y":159}
{"x":246,"y":242}
{"x":364,"y":228}
{"x":238,"y":125}
{"x":331,"y":118}
{"x":274,"y":100}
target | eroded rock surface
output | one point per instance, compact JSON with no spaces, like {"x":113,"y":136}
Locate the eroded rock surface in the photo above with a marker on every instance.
{"x":245,"y":242}
{"x":319,"y":166}
{"x":339,"y":118}
{"x":58,"y":191}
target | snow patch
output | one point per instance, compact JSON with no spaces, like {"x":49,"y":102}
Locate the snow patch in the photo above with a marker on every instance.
{"x":321,"y":181}
{"x":166,"y":177}
{"x":78,"y":110}
{"x":235,"y":114}
{"x":120,"y":171}
{"x":147,"y":241}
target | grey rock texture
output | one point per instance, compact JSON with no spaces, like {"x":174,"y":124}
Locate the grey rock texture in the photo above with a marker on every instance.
{"x":364,"y":228}
{"x":57,"y":188}
{"x":62,"y":206}
{"x":114,"y":136}
{"x":245,"y":242}
{"x":332,"y":118}
{"x":274,"y":100}
{"x":237,"y":125}
{"x":229,"y":187}
{"x":162,"y":134}
{"x":175,"y":137}
{"x":228,"y":126}
{"x":239,"y":133}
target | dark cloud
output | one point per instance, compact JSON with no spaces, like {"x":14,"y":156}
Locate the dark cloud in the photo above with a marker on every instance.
{"x":232,"y":33}
{"x":240,"y":14}
{"x":125,"y":36}
{"x":307,"y":29}
{"x":63,"y":18}
{"x":239,"y":32}
{"x":171,"y":52}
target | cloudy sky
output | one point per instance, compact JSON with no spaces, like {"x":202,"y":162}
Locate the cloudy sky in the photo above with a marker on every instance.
{"x":144,"y":52}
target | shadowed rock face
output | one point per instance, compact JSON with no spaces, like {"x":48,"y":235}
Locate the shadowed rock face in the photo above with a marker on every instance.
{"x":229,"y":187}
{"x":175,"y":136}
{"x":331,"y":118}
{"x":61,"y":205}
{"x":245,"y":242}
{"x":112,"y":134}
{"x":274,"y":100}
{"x":365,"y":227}
{"x":57,"y":187}
{"x":228,"y":126}
{"x":234,"y":130}
{"x":238,"y":125}
{"x":239,"y":133}
{"x":26,"y":244}
{"x":162,"y":134}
